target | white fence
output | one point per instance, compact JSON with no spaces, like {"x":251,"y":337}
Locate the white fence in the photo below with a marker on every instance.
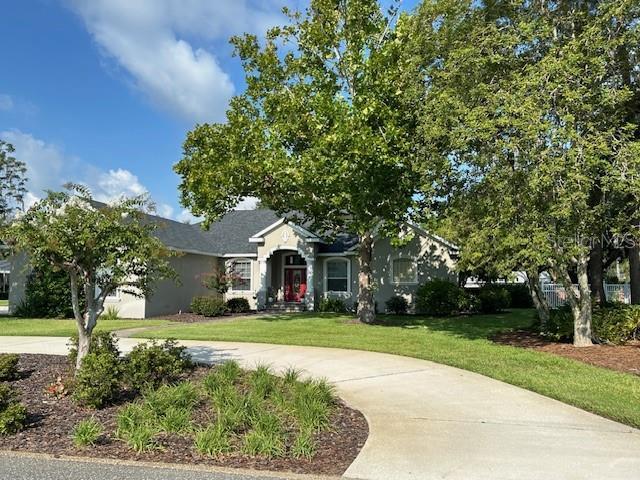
{"x":557,"y":296}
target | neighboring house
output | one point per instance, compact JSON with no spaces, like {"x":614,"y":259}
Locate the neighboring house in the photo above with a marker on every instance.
{"x":277,"y":263}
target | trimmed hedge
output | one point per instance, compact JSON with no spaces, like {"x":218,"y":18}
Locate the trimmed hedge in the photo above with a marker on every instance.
{"x":151,"y":364}
{"x":335,"y":305}
{"x":493,"y":298}
{"x":98,"y":381}
{"x":440,"y":297}
{"x":209,"y":306}
{"x":238,"y":305}
{"x":8,"y":366}
{"x":397,"y":305}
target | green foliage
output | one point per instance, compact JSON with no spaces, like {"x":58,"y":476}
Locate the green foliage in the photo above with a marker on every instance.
{"x":98,"y":380}
{"x":397,"y":305}
{"x":440,"y":297}
{"x":151,"y":364}
{"x":304,"y":444}
{"x":171,"y":406}
{"x":101,"y":247}
{"x":264,"y":442}
{"x":13,"y":415}
{"x":616,"y":323}
{"x":13,"y":182}
{"x":47,"y":294}
{"x":87,"y":432}
{"x":111,"y":313}
{"x":135,"y":424}
{"x":213,"y":440}
{"x":238,"y":305}
{"x":520,"y":296}
{"x":209,"y":306}
{"x":493,"y":298}
{"x":335,"y":305}
{"x":9,"y":366}
{"x":101,"y":343}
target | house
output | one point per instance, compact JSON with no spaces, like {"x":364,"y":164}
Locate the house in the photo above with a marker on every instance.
{"x":278,"y":263}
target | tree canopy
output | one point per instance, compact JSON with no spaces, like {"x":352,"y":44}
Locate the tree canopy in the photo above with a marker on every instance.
{"x":321,"y":132}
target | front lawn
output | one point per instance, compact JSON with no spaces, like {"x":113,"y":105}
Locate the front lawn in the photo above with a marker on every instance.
{"x":53,"y":327}
{"x":460,"y":342}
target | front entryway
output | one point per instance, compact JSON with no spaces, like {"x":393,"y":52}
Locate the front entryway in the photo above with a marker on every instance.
{"x":295,"y":284}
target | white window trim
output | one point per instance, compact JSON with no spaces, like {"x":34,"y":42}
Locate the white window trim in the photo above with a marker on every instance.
{"x":228,"y":263}
{"x":414,"y":260}
{"x":326,"y":277}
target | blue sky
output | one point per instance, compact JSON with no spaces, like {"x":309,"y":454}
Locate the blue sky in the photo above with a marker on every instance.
{"x":103,"y":91}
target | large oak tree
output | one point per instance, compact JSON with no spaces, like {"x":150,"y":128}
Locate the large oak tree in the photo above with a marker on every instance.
{"x":321,"y":134}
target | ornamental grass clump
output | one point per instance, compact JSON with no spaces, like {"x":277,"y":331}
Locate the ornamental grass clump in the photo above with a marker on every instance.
{"x":87,"y":432}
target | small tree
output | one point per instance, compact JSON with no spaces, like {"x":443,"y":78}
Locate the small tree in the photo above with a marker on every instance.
{"x":102,"y":248}
{"x":13,"y":182}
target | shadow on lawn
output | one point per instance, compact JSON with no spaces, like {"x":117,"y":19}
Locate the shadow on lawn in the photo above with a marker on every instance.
{"x":472,"y":327}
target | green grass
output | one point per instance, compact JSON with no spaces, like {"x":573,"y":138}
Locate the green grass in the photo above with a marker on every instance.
{"x":12,"y":326}
{"x":460,"y":342}
{"x":4,"y":303}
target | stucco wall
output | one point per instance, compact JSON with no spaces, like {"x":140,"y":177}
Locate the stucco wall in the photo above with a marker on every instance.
{"x":129,"y":306}
{"x":170,"y":297}
{"x":433,"y":260}
{"x":17,"y":280}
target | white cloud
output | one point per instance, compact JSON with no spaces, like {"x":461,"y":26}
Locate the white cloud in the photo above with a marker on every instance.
{"x":6,"y":102}
{"x":185,"y":216}
{"x":152,"y":40}
{"x":117,"y":183}
{"x":49,"y":167}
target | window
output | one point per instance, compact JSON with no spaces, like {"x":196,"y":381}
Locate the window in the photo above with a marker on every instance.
{"x":241,"y":270}
{"x":337,"y":275}
{"x":404,"y":271}
{"x":294,"y":260}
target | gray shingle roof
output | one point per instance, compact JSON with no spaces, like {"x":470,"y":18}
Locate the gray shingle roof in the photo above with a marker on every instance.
{"x":231,"y":233}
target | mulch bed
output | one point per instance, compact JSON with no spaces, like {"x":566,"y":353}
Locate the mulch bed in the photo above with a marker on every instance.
{"x":51,"y":422}
{"x":623,"y":358}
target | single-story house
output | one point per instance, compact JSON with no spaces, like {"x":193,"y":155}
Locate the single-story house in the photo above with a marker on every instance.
{"x":277,"y":263}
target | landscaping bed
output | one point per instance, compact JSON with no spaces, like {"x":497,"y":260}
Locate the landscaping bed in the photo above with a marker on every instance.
{"x":327,"y":449}
{"x":189,"y":317}
{"x":623,"y":358}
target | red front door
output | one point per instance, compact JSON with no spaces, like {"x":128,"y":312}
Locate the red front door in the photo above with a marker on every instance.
{"x":295,"y":284}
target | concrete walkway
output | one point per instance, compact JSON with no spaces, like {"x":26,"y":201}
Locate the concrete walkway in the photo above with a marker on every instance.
{"x":429,"y":421}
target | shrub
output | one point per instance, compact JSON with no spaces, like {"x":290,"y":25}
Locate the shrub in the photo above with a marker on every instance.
{"x":212,"y":440}
{"x":397,"y":304}
{"x":238,"y":305}
{"x":101,"y":342}
{"x":9,"y":366}
{"x":208,"y":306}
{"x":151,"y":364}
{"x":335,"y":305}
{"x":111,"y":313}
{"x":440,"y":297}
{"x":493,"y":298}
{"x":615,"y":323}
{"x":520,"y":295}
{"x":47,"y":295}
{"x":98,"y":380}
{"x":13,"y":415}
{"x":87,"y":432}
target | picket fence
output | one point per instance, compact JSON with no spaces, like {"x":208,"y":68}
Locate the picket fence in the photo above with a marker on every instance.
{"x":557,"y":296}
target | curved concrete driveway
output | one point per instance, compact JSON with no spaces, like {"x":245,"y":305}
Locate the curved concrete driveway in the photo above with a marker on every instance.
{"x":430,"y":421}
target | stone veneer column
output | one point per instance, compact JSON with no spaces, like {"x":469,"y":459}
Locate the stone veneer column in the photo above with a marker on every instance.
{"x":310,"y":296}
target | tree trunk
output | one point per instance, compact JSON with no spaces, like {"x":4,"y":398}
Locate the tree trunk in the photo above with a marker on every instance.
{"x":580,"y":301}
{"x":596,"y":275}
{"x":84,"y":321}
{"x":366,"y":305}
{"x":634,"y":273}
{"x":539,"y":300}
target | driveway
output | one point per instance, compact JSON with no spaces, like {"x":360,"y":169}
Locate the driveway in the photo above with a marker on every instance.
{"x":430,"y":421}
